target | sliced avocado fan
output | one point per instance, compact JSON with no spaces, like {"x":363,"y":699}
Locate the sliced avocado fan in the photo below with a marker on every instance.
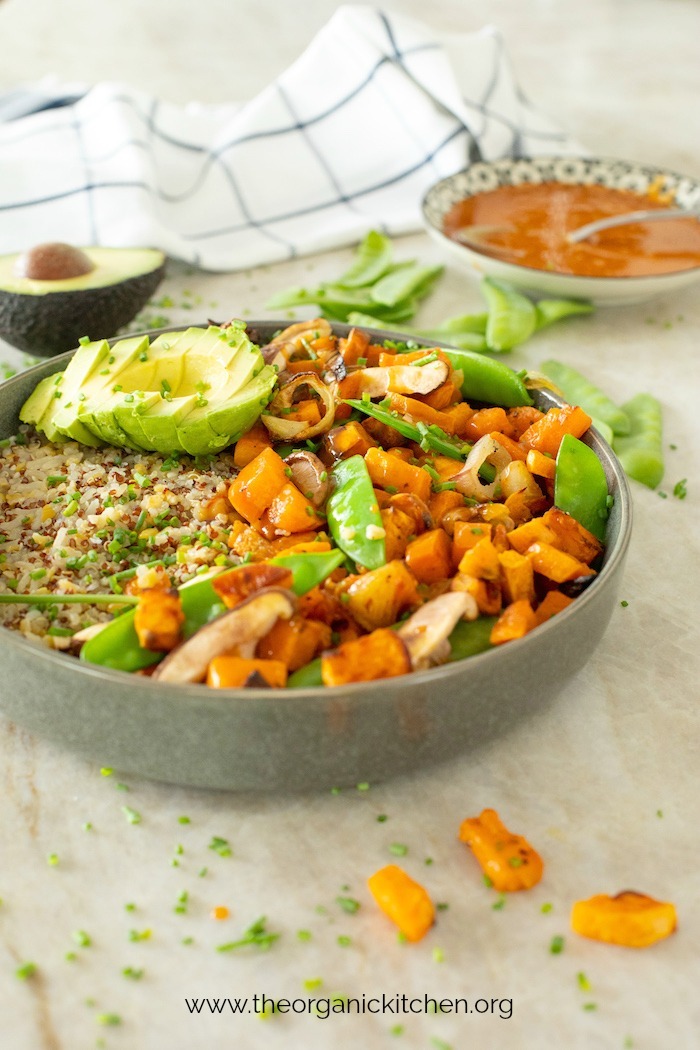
{"x":195,"y":391}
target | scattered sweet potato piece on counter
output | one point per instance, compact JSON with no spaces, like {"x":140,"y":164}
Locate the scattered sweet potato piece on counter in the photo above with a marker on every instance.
{"x":381,"y":654}
{"x":403,"y":900}
{"x":508,"y":860}
{"x":630,"y":919}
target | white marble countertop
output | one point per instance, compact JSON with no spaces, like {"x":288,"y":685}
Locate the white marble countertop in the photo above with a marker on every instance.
{"x":603,"y":782}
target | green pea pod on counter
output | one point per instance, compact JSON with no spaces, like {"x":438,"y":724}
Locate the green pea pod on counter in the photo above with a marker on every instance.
{"x":354,"y":520}
{"x":580,"y":485}
{"x":372,"y":260}
{"x":549,"y":311}
{"x":580,"y":391}
{"x":640,"y":451}
{"x":406,"y":282}
{"x":467,"y":639}
{"x":512,"y":316}
{"x":117,"y":644}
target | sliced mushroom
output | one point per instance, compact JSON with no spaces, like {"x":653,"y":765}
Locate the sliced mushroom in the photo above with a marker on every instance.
{"x":468,"y":482}
{"x":416,"y":508}
{"x":238,"y":629}
{"x":309,"y":475}
{"x":402,"y":379}
{"x":426,"y":633}
{"x":295,"y":339}
{"x":335,"y":369}
{"x":283,"y":429}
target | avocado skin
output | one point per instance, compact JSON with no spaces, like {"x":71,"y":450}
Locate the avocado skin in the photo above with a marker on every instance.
{"x":51,"y":324}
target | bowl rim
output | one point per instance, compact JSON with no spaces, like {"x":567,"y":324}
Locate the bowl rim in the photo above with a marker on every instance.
{"x":622,"y":282}
{"x":370,"y":690}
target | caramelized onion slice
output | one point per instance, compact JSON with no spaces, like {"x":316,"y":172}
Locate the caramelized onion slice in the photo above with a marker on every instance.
{"x":283,"y":429}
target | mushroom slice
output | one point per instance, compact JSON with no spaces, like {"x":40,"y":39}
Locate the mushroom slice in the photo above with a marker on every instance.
{"x":309,"y":475}
{"x":402,"y":379}
{"x":295,"y":339}
{"x":468,"y":482}
{"x":426,"y":633}
{"x":283,"y":429}
{"x":241,"y":627}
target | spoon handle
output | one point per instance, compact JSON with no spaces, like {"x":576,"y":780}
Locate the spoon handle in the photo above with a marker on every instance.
{"x":648,"y":215}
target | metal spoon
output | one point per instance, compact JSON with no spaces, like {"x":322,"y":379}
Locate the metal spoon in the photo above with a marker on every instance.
{"x":477,"y":236}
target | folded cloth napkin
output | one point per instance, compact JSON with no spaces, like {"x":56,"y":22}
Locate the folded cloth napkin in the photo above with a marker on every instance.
{"x":348,"y":138}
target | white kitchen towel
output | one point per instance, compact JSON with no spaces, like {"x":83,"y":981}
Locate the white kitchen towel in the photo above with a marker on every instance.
{"x":348,"y":138}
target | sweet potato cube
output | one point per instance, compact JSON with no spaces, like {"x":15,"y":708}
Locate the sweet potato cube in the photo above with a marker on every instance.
{"x":531,"y":532}
{"x":460,"y":416}
{"x":377,"y":598}
{"x":239,"y":583}
{"x":466,"y":535}
{"x":514,"y":622}
{"x":486,"y":420}
{"x":440,"y":502}
{"x":546,"y":434}
{"x":429,"y":556}
{"x":291,"y":511}
{"x":481,"y":561}
{"x":571,"y":536}
{"x":486,"y":593}
{"x":388,"y":470}
{"x":538,"y":463}
{"x":250,"y":445}
{"x":509,"y":861}
{"x":233,"y":672}
{"x":294,"y":642}
{"x":254,"y":489}
{"x":552,"y":603}
{"x":403,"y":900}
{"x":517,"y":577}
{"x":398,"y":526}
{"x":381,"y":654}
{"x":158,"y":619}
{"x":630,"y":919}
{"x":555,"y":564}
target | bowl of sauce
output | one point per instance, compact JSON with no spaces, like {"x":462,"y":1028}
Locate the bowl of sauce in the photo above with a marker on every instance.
{"x":526,"y":208}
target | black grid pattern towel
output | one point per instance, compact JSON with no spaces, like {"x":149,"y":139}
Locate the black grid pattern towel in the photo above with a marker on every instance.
{"x":348,"y":138}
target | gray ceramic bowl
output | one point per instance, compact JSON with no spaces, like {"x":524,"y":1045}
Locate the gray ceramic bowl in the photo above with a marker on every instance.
{"x":276,"y":740}
{"x":618,"y":174}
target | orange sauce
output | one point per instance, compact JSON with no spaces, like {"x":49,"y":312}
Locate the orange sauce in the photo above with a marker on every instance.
{"x":540,"y":216}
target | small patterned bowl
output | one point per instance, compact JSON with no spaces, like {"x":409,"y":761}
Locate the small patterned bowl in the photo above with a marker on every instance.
{"x":618,"y":174}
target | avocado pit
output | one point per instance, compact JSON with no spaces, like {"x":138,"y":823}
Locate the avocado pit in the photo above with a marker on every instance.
{"x":54,"y":261}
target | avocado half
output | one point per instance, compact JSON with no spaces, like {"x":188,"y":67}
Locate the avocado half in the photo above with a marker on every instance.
{"x":49,"y":316}
{"x":194,"y":391}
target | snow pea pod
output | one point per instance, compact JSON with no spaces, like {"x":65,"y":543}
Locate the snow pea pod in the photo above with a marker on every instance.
{"x":117,"y":645}
{"x":404,"y":283}
{"x":580,"y":485}
{"x":430,"y":438}
{"x":640,"y":451}
{"x":549,"y":311}
{"x":467,"y":639}
{"x":488,"y":380}
{"x":580,"y":391}
{"x":512,"y":316}
{"x":353,"y":514}
{"x":372,"y":260}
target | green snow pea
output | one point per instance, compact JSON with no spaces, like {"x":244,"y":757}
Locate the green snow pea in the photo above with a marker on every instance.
{"x":406,"y":282}
{"x":475,"y":323}
{"x":580,"y":391}
{"x":486,"y":379}
{"x":352,"y":512}
{"x":117,"y":645}
{"x":549,"y":311}
{"x":372,"y":260}
{"x":512,"y":316}
{"x":430,"y":438}
{"x":640,"y":451}
{"x":580,"y":485}
{"x":467,"y":639}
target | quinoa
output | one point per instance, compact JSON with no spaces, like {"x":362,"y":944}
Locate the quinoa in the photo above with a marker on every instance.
{"x":76,"y":519}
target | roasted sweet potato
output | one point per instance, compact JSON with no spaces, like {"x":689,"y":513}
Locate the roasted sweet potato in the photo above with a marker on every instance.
{"x":239,"y":583}
{"x":517,"y":578}
{"x":552,"y":603}
{"x":555,"y":564}
{"x":572,"y":537}
{"x":250,"y":445}
{"x":508,"y":860}
{"x":158,"y":619}
{"x":233,"y":672}
{"x":403,"y":900}
{"x":630,"y":919}
{"x":546,"y":434}
{"x":386,"y":470}
{"x":254,"y":489}
{"x":515,"y":621}
{"x":481,"y":560}
{"x":294,"y":642}
{"x":380,"y":654}
{"x":429,"y":556}
{"x":377,"y":598}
